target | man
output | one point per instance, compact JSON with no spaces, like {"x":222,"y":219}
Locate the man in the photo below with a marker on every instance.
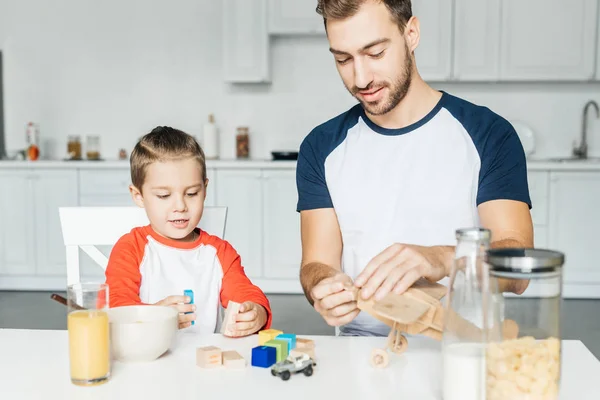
{"x":383,"y":187}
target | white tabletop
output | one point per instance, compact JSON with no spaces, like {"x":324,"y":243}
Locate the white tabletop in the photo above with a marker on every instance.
{"x":34,"y":364}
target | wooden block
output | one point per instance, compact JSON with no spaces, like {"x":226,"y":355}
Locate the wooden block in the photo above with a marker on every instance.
{"x":232,"y":310}
{"x":281,"y":346}
{"x":302,"y":343}
{"x":309,"y":352}
{"x":209,"y":357}
{"x":233,"y":359}
{"x":266,"y":335}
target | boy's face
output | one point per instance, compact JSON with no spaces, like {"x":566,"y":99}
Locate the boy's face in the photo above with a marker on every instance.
{"x":173,"y":195}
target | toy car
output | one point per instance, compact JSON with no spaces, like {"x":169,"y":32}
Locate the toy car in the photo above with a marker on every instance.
{"x":293,"y":364}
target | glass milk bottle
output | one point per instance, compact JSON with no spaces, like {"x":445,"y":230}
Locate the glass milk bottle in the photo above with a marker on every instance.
{"x":523,"y":355}
{"x":463,"y":338}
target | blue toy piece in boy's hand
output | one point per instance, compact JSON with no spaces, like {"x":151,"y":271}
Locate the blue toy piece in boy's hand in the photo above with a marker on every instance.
{"x":190,"y":294}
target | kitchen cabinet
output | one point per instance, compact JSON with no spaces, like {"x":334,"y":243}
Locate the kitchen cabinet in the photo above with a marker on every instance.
{"x":434,"y":53}
{"x":538,"y":44}
{"x":598,"y":51}
{"x":281,"y":243}
{"x":240,"y":190}
{"x":31,"y":236}
{"x":17,"y":224}
{"x":294,"y":17}
{"x":245,"y":41}
{"x":574,"y":221}
{"x":477,"y":40}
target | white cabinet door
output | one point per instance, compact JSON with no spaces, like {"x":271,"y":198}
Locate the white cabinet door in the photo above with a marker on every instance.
{"x":434,"y":54}
{"x":282,"y":245}
{"x":17,"y":233}
{"x":477,"y":40}
{"x":245,"y":41}
{"x":598,"y":51}
{"x":52,"y":189}
{"x":574,"y":222}
{"x":240,"y":190}
{"x":294,"y":17}
{"x":548,"y":39}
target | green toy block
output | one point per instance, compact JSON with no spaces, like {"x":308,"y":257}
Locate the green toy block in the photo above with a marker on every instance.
{"x":281,"y":346}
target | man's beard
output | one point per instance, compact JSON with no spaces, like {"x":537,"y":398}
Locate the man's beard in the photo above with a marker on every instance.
{"x":398,"y":90}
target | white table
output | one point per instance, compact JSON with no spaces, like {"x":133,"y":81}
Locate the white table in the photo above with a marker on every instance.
{"x":34,"y":365}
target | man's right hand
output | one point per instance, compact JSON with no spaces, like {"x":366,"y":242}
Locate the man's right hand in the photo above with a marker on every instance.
{"x":334,"y":299}
{"x":181,"y":304}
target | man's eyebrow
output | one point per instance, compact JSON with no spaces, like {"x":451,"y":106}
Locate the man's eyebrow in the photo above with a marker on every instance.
{"x":365,"y":47}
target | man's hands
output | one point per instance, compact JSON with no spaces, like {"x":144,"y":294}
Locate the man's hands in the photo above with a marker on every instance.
{"x":335,"y":300}
{"x":399,"y":266}
{"x":181,"y":303}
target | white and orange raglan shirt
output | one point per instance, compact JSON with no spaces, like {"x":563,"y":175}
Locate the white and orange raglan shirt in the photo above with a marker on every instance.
{"x":145,"y":267}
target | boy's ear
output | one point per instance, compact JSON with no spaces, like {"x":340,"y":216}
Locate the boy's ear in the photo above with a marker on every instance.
{"x":136,"y":195}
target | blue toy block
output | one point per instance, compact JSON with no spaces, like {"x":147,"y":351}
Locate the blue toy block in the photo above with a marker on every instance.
{"x":264,"y":356}
{"x":288,"y":337}
{"x":190,"y":294}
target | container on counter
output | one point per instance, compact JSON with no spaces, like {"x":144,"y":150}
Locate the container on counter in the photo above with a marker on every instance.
{"x":242,"y":141}
{"x":92,"y":147}
{"x":74,"y":147}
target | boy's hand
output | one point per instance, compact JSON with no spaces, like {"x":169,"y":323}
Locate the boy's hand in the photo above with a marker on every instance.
{"x":250,"y":319}
{"x":181,"y":303}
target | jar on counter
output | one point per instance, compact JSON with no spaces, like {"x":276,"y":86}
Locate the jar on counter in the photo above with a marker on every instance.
{"x":242,"y":141}
{"x":74,"y":147}
{"x":93,"y":147}
{"x":523,"y":356}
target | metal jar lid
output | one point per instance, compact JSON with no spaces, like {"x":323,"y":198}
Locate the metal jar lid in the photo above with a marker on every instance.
{"x":524,"y":261}
{"x":473,"y":234}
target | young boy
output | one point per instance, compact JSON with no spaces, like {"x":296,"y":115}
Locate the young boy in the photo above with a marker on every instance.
{"x":154,"y":264}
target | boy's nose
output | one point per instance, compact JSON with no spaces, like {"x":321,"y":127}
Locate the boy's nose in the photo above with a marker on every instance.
{"x":179,"y":204}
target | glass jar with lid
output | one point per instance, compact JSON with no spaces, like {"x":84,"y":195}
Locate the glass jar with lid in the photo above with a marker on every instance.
{"x":93,"y":147}
{"x":523,"y":352}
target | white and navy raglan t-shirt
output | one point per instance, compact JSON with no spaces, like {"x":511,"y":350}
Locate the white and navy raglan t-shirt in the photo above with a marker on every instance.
{"x":414,"y":185}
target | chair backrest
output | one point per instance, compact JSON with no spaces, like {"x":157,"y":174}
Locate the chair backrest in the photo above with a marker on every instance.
{"x":87,"y":227}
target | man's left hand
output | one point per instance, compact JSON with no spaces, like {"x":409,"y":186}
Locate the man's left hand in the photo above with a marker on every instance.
{"x":399,"y":266}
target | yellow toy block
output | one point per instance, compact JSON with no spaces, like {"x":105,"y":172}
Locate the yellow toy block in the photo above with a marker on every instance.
{"x":267,"y":335}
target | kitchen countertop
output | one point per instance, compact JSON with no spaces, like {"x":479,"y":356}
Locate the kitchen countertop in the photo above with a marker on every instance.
{"x":532,"y":165}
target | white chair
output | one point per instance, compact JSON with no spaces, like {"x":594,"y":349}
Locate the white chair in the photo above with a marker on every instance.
{"x":87,"y":227}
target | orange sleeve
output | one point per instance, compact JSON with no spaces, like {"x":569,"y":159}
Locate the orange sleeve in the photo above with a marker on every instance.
{"x":123,"y":271}
{"x":236,"y":286}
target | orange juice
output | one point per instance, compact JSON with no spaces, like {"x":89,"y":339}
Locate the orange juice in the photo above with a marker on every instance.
{"x":89,"y":347}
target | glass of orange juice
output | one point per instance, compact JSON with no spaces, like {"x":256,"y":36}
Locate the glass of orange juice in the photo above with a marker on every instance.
{"x":89,"y":334}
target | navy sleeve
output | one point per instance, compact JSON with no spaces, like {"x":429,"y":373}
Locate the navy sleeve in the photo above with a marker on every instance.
{"x":503,"y":173}
{"x":310,"y":175}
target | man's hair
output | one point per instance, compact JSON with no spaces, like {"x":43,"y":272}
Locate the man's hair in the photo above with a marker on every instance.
{"x":401,"y":10}
{"x":163,"y":143}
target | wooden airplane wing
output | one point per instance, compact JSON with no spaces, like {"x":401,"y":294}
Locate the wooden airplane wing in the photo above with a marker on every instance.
{"x":400,"y":308}
{"x":434,"y":290}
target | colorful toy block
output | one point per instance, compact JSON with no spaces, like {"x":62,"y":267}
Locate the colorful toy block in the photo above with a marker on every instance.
{"x":190,"y":294}
{"x":290,"y":338}
{"x":281,"y":346}
{"x":233,"y":309}
{"x":266,"y":335}
{"x":264,"y":356}
{"x":209,"y":357}
{"x":233,"y":359}
{"x":302,"y":343}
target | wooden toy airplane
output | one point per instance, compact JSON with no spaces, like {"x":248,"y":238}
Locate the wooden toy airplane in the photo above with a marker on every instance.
{"x":417,"y":311}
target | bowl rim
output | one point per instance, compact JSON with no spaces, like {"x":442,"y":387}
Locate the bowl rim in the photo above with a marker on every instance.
{"x":173,"y":314}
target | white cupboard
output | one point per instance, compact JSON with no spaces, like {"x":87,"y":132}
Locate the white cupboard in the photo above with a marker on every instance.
{"x":548,"y":39}
{"x":297,"y":17}
{"x":245,"y":41}
{"x":574,"y":218}
{"x":477,"y":40}
{"x":434,"y":54}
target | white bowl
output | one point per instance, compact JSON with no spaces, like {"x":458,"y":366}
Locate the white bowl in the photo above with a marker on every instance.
{"x":141,"y":333}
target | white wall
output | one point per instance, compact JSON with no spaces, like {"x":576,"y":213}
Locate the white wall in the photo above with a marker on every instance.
{"x":119,"y":68}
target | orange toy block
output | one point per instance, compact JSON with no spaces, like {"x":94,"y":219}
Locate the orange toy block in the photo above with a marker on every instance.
{"x":233,"y":309}
{"x":233,"y":359}
{"x":209,"y":357}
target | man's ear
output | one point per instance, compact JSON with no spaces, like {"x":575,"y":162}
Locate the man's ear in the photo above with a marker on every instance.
{"x":136,"y":195}
{"x":412,"y":33}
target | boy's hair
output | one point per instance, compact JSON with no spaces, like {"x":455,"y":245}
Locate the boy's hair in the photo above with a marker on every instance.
{"x":401,"y":10}
{"x":163,"y":143}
